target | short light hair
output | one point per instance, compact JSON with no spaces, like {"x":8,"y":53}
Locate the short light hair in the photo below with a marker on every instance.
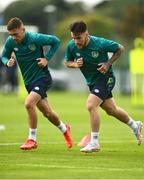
{"x":14,"y":23}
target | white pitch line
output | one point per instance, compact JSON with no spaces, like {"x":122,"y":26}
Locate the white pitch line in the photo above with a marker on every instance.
{"x":81,"y":168}
{"x":18,"y":143}
{"x":44,"y":143}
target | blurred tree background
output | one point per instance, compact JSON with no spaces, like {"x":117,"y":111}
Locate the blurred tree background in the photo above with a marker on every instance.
{"x":114,"y":19}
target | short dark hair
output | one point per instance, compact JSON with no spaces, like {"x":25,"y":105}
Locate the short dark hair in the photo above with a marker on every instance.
{"x":14,"y":23}
{"x":78,"y":27}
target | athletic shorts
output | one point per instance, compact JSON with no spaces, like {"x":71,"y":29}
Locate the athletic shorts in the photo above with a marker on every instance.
{"x":103,"y":87}
{"x":40,"y":86}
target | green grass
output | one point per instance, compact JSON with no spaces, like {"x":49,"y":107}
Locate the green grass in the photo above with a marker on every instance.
{"x":120,"y":157}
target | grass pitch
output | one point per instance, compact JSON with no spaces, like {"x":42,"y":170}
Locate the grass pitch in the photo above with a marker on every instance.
{"x":120,"y":157}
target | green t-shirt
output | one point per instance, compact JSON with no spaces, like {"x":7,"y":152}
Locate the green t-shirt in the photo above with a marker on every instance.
{"x":30,"y":49}
{"x":94,"y":53}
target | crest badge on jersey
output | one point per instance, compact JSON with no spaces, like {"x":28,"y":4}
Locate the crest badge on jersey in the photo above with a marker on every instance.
{"x":32,"y":47}
{"x":16,"y":49}
{"x":95,"y":54}
{"x":78,"y":54}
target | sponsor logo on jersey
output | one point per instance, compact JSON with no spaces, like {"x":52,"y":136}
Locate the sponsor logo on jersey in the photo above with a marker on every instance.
{"x":32,"y":47}
{"x":95,"y":54}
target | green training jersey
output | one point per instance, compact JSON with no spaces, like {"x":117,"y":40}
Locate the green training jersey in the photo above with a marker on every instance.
{"x":94,"y":53}
{"x":28,"y":51}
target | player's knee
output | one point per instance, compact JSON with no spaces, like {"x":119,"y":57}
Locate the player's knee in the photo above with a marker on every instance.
{"x":89,"y":106}
{"x":110,"y":111}
{"x":28,"y":105}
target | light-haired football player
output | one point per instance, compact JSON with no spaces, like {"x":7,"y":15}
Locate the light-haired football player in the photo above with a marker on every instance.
{"x":33,"y":63}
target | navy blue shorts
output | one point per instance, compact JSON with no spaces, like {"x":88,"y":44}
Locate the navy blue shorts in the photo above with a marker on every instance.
{"x":103,"y":87}
{"x":40,"y":86}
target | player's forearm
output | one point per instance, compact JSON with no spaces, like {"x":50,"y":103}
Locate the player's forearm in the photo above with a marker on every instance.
{"x":4,"y":60}
{"x":70,"y":64}
{"x":116,"y":55}
{"x":6,"y":55}
{"x":53,"y":49}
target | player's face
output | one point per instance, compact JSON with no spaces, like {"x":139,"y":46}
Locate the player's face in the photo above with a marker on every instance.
{"x":80,"y":40}
{"x":17,"y":34}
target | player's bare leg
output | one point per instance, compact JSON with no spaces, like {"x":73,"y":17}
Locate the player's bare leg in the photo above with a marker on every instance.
{"x":30,"y":104}
{"x":112,"y":109}
{"x":93,"y":102}
{"x":52,"y":116}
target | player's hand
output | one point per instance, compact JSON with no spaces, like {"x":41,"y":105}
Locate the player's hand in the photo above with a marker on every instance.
{"x":103,"y":67}
{"x":11,"y":62}
{"x":79,"y":62}
{"x":42,"y":62}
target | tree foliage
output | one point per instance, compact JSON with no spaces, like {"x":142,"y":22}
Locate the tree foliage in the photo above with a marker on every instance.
{"x":132,"y":24}
{"x":32,"y":11}
{"x":113,"y":19}
{"x":97,"y":25}
{"x":128,"y":14}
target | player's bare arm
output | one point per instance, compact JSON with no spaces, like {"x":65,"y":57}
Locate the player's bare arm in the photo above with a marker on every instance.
{"x":116,"y":55}
{"x":103,"y":67}
{"x":74,"y":64}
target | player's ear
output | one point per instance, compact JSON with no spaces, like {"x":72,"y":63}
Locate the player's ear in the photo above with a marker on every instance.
{"x":23,"y":29}
{"x":87,"y":33}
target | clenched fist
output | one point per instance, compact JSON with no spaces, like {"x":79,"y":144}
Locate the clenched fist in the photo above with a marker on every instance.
{"x":11,"y":62}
